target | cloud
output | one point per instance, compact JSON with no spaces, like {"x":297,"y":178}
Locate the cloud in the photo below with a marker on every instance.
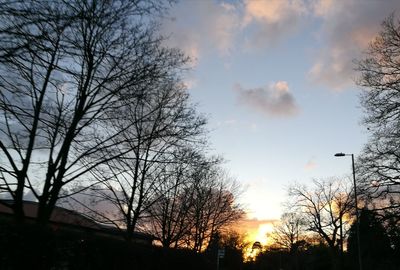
{"x":274,"y":100}
{"x":270,"y":21}
{"x":347,"y":28}
{"x":322,"y":7}
{"x":198,"y":27}
{"x":271,"y":11}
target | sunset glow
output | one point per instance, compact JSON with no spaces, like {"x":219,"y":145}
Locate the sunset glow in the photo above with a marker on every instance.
{"x":256,"y":231}
{"x":261,"y":234}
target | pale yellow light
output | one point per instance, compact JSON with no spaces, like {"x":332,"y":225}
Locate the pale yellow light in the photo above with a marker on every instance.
{"x":259,"y":234}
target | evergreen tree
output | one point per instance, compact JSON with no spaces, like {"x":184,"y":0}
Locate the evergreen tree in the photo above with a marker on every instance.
{"x":374,"y":242}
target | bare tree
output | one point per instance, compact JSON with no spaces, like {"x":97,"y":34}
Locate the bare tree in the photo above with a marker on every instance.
{"x":379,"y":165}
{"x":159,"y":122}
{"x":195,"y":202}
{"x":65,"y":67}
{"x":214,"y":206}
{"x":290,"y":232}
{"x":169,"y":218}
{"x":326,"y":208}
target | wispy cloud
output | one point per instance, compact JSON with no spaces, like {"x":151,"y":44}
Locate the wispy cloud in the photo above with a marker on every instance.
{"x":310,"y":165}
{"x":274,"y":100}
{"x":272,"y":11}
{"x":347,"y":28}
{"x":200,"y":26}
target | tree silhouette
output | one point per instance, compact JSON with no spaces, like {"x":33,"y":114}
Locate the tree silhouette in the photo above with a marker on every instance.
{"x":379,"y":164}
{"x":325,"y":208}
{"x":374,"y":241}
{"x":66,"y":66}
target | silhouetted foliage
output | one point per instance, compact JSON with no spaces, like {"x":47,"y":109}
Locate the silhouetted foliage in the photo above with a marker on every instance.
{"x":312,"y":258}
{"x":376,"y":250}
{"x":393,"y":231}
{"x":233,"y":245}
{"x":29,"y":246}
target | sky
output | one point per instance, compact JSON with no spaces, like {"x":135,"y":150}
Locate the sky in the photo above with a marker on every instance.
{"x":276,"y":79}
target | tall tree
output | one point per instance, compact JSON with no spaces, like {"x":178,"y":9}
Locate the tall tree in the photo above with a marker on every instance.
{"x":214,"y":205}
{"x":152,"y":129}
{"x":65,"y":67}
{"x":169,"y":218}
{"x":379,"y":165}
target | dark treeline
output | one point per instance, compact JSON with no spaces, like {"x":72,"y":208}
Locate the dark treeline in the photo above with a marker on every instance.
{"x":36,"y":247}
{"x":299,"y":244}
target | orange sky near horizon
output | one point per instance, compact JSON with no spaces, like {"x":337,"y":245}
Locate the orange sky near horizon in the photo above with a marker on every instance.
{"x":256,"y":230}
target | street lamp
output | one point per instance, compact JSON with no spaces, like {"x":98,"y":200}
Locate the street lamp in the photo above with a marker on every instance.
{"x":356,"y":206}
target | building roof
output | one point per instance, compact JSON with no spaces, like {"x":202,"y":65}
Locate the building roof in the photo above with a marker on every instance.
{"x":66,"y":217}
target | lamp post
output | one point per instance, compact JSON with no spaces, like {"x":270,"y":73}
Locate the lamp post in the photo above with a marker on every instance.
{"x":356,"y":206}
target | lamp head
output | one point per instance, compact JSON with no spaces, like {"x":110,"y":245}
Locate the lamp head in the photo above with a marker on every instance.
{"x":340,"y":154}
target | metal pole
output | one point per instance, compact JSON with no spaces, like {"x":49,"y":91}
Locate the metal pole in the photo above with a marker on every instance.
{"x":357,"y":214}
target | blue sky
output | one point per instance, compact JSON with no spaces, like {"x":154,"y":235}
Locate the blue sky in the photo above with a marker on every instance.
{"x":276,"y":78}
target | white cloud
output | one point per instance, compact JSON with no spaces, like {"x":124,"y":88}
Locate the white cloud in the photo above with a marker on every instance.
{"x":274,"y":100}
